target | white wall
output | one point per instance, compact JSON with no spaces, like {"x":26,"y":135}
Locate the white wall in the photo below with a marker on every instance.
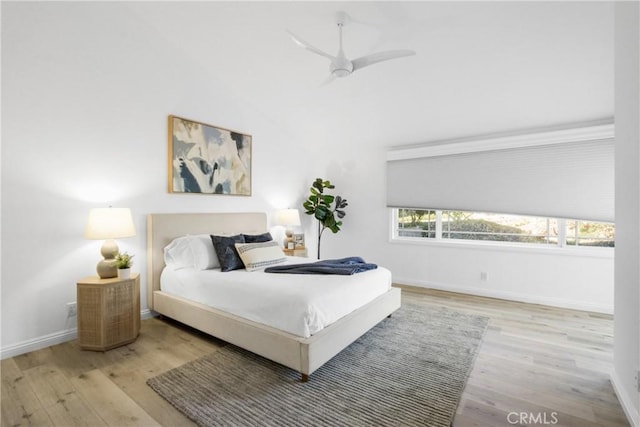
{"x":627,"y":266}
{"x":87,"y":88}
{"x":537,"y":276}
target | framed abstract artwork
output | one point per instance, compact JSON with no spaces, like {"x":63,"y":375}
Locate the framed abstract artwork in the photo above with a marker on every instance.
{"x":208,"y":159}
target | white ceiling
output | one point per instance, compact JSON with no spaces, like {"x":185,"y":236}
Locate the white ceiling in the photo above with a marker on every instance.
{"x":481,"y":67}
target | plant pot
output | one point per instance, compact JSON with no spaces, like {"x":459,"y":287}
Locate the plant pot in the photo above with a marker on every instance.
{"x":124,"y":273}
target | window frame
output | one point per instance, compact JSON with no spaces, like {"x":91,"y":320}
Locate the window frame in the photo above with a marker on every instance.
{"x":560,"y":248}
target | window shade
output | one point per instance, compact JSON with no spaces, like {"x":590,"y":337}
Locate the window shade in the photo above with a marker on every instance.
{"x":568,"y":180}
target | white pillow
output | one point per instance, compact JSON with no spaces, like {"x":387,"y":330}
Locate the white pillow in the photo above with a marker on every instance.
{"x":256,"y":256}
{"x":191,"y":252}
{"x":179,"y":254}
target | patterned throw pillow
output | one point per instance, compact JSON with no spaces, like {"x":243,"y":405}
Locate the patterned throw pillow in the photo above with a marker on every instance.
{"x":257,"y":256}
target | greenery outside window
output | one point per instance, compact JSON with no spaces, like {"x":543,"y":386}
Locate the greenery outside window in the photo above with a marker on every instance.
{"x":589,"y":233}
{"x":418,"y":224}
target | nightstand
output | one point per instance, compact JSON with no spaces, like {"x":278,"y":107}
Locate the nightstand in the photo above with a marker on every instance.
{"x":108,"y":312}
{"x":299,"y":251}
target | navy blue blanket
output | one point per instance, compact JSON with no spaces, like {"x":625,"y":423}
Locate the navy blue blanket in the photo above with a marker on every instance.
{"x":342,"y":266}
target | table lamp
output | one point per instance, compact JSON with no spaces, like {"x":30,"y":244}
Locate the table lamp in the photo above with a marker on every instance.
{"x":288,"y":218}
{"x":108,"y":224}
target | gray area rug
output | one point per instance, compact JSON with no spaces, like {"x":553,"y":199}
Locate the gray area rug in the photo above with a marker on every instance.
{"x":409,"y":370}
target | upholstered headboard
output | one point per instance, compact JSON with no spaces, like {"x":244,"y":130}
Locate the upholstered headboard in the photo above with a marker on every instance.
{"x":163,"y":228}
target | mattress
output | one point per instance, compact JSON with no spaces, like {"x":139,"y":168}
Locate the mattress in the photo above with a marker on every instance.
{"x":299,"y":304}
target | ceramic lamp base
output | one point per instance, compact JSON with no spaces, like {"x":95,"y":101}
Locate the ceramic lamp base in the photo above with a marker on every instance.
{"x":107,"y":267}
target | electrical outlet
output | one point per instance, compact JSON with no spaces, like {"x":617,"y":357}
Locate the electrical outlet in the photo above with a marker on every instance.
{"x":638,"y":380}
{"x":483,"y":276}
{"x":72,"y":309}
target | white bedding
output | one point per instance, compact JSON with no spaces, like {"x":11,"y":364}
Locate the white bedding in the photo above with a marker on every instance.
{"x":299,"y":304}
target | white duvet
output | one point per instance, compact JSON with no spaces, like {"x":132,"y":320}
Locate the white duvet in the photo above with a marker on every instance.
{"x":299,"y":304}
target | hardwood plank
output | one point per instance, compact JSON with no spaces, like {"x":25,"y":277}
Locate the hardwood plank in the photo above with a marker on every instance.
{"x":534,"y":396}
{"x":59,"y":398}
{"x":37,"y":418}
{"x":33,"y":359}
{"x":73,"y":410}
{"x":134,"y":384}
{"x":49,"y":384}
{"x":20,"y":405}
{"x":110,"y":403}
{"x":75,"y":361}
{"x":473,"y":413}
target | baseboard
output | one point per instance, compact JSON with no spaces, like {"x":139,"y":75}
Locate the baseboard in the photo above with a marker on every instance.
{"x":512,"y":296}
{"x":39,"y":343}
{"x":49,"y":340}
{"x":626,"y":401}
{"x":147,"y":314}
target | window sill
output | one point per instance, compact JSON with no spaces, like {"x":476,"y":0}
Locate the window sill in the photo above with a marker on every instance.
{"x":509,"y":247}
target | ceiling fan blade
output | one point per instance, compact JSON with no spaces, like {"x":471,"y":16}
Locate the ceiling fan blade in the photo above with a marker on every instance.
{"x":297,"y":40}
{"x":328,"y":80}
{"x":379,"y":57}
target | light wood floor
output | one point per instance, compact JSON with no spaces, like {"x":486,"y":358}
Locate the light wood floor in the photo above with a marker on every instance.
{"x":550,"y":364}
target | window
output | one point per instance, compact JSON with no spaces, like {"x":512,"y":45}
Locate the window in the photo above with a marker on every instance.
{"x":418,"y":224}
{"x":587,"y":233}
{"x":498,"y":227}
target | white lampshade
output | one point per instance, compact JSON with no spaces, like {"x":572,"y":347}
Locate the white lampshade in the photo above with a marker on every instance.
{"x":109,"y":223}
{"x":288,"y":217}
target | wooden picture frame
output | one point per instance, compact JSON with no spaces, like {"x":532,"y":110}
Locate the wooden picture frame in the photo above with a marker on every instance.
{"x":298,"y":239}
{"x":206,"y":159}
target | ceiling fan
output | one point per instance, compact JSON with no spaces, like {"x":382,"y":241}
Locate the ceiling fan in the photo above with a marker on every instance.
{"x":341,"y":66}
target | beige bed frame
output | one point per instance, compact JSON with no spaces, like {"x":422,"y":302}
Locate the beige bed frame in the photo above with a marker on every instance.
{"x":302,"y":354}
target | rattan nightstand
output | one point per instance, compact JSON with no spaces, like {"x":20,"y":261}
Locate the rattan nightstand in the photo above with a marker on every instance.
{"x":108,"y":312}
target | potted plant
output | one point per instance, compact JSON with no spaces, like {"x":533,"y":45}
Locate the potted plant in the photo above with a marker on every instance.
{"x":325,"y":207}
{"x":124,"y":263}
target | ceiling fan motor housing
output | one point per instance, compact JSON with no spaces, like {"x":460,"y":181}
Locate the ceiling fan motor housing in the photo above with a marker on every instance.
{"x":341,"y":67}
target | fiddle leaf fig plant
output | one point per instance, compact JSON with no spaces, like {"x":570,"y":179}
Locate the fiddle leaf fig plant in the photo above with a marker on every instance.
{"x":325,"y":207}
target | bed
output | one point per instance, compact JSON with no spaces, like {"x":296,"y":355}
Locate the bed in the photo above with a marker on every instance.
{"x":303,"y":354}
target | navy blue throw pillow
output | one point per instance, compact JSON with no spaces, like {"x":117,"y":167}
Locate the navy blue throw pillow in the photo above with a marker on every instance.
{"x":226,"y":251}
{"x":257,"y":238}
